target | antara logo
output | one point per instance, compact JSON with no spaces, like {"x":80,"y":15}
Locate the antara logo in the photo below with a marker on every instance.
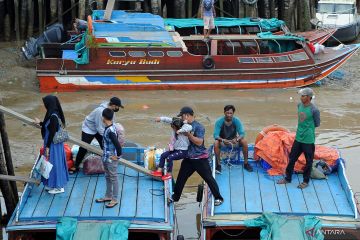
{"x":312,"y":232}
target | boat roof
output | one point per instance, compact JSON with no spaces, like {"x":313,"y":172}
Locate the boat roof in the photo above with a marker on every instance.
{"x":338,"y":1}
{"x":264,"y":24}
{"x":248,"y":194}
{"x":259,"y":36}
{"x":141,"y":201}
{"x":131,"y":27}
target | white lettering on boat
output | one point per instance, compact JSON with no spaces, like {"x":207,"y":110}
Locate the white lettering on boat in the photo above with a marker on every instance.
{"x":133,"y":62}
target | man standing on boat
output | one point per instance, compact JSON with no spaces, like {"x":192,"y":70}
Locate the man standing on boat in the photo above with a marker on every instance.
{"x":93,"y":127}
{"x":208,"y":14}
{"x":308,"y":120}
{"x":229,"y":131}
{"x":197,"y":159}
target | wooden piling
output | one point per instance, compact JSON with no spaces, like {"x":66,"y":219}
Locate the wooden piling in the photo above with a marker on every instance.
{"x":221,"y":6}
{"x":189,"y":8}
{"x":73,"y":9}
{"x":41,"y":19}
{"x":2,"y":20}
{"x":30,"y":29}
{"x":82,"y":9}
{"x":23,"y":18}
{"x":53,"y":9}
{"x":60,"y":11}
{"x":5,"y":187}
{"x":17,"y":25}
{"x":7,"y":153}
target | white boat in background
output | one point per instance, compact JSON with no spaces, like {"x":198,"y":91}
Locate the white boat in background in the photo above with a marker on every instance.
{"x":340,"y":14}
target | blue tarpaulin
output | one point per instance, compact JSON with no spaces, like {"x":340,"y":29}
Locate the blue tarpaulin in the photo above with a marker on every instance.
{"x":264,"y":24}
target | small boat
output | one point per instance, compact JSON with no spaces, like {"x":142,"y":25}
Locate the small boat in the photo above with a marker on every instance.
{"x":249,"y":195}
{"x":134,"y":51}
{"x":339,"y":14}
{"x":142,"y":201}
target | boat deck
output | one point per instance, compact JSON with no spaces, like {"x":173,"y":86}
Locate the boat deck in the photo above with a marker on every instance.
{"x":257,"y":192}
{"x":141,"y":201}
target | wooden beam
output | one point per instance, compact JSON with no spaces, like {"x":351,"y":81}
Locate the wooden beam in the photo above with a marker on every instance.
{"x":109,"y":8}
{"x":73,"y":140}
{"x":19,"y":179}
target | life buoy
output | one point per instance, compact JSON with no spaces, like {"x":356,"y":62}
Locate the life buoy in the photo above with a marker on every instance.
{"x":250,"y":2}
{"x":90,"y":25}
{"x":208,"y":62}
{"x":264,"y":132}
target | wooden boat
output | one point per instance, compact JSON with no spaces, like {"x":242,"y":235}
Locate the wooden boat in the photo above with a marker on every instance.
{"x":147,"y":57}
{"x":141,"y":201}
{"x":248,"y":195}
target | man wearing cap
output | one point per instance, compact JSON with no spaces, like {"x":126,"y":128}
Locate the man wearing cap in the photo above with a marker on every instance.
{"x":308,"y":120}
{"x":93,"y":127}
{"x":197,"y":159}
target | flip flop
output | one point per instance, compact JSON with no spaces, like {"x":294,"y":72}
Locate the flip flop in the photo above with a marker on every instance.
{"x":111,"y":204}
{"x":102,"y":200}
{"x":303,"y":185}
{"x":73,"y":170}
{"x":282,"y":181}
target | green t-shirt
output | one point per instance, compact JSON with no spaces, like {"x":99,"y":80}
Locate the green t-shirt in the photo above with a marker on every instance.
{"x":308,"y":119}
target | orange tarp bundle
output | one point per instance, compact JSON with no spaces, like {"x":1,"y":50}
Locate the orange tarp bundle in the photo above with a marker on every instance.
{"x":275,"y":148}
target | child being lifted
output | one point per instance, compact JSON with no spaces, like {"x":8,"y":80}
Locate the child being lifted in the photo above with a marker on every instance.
{"x":178,"y":146}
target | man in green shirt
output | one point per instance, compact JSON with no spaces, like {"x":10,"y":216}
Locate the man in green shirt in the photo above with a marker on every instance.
{"x":308,"y":120}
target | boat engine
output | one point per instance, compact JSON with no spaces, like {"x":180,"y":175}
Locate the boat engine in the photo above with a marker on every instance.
{"x":53,"y":34}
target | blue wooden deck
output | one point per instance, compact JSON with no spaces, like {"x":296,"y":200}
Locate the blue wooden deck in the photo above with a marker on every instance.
{"x":256,"y":192}
{"x":141,"y":201}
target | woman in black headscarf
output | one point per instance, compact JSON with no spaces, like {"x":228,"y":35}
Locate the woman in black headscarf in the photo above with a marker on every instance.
{"x":53,"y":120}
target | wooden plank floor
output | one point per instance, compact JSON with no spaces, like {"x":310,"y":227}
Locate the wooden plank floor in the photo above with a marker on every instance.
{"x":257,"y":192}
{"x":140,"y":198}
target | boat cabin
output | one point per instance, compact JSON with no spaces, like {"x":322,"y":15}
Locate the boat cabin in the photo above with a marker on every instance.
{"x":337,"y":13}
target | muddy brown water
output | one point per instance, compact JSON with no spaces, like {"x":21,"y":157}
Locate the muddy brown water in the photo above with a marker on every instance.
{"x":338,"y":101}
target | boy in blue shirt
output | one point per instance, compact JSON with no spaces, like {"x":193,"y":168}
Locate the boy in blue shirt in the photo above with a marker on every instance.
{"x":111,"y":155}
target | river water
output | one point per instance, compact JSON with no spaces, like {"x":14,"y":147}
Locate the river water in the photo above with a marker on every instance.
{"x":338,"y":102}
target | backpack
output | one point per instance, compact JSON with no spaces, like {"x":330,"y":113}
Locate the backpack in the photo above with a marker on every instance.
{"x":120,"y":133}
{"x":208,"y":4}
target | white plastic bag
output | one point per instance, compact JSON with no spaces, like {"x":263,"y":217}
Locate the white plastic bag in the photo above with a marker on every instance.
{"x":44,"y":167}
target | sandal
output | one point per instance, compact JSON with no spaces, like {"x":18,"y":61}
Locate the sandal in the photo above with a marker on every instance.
{"x":282,"y":181}
{"x":73,"y":170}
{"x":111,"y":204}
{"x":102,"y":200}
{"x":303,"y":185}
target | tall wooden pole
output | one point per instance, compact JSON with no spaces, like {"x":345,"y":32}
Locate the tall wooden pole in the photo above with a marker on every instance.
{"x":17,"y":25}
{"x":190,"y":8}
{"x":221,"y":5}
{"x":23,"y":18}
{"x":41,"y":19}
{"x":7,"y":153}
{"x":82,"y":9}
{"x":53,"y":9}
{"x":31,"y":18}
{"x":5,"y":188}
{"x":73,"y":9}
{"x":2,"y":20}
{"x":60,"y":11}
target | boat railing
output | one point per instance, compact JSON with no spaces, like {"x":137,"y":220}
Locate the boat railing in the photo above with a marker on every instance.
{"x":350,"y":12}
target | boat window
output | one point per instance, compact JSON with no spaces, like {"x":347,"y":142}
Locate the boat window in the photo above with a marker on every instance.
{"x":264,"y":60}
{"x":336,"y":8}
{"x":137,"y":54}
{"x":174,"y":53}
{"x":299,"y":56}
{"x":281,"y":59}
{"x":246,"y":60}
{"x":156,"y":53}
{"x":117,"y":54}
